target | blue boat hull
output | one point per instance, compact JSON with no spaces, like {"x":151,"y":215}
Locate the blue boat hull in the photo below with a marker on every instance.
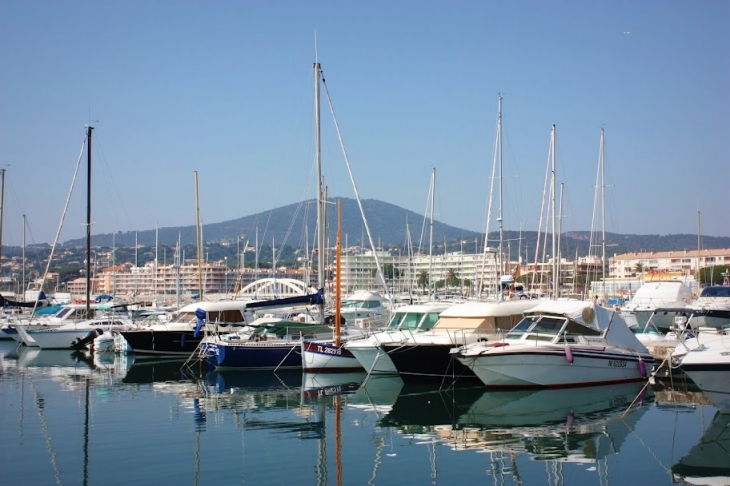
{"x":253,"y":355}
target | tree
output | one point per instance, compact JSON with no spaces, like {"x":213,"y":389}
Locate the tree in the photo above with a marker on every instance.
{"x":639,"y":268}
{"x":423,"y":279}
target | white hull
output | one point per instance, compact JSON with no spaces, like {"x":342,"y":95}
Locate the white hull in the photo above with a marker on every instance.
{"x":58,"y":338}
{"x":374,"y":359}
{"x":325,"y":356}
{"x":708,"y":366}
{"x":715,"y":384}
{"x":549,"y":367}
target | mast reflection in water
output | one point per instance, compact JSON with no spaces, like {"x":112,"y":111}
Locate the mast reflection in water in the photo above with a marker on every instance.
{"x":105,"y":419}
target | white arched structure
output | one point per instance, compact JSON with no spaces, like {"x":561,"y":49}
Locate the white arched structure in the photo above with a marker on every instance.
{"x":275,"y":288}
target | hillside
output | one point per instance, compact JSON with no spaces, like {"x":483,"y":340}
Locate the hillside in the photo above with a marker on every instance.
{"x":388,"y":223}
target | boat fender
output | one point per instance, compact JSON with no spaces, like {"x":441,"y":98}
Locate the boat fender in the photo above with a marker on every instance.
{"x":182,"y":340}
{"x":642,"y":368}
{"x":569,"y":421}
{"x":568,"y":354}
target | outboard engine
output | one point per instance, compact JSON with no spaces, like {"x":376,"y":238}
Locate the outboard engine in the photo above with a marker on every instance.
{"x":88,"y":341}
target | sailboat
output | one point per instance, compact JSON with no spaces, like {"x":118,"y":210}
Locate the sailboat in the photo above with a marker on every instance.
{"x":272,"y":342}
{"x":330,"y":354}
{"x":98,"y":318}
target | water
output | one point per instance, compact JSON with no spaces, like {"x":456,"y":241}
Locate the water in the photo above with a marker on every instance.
{"x":74,"y":419}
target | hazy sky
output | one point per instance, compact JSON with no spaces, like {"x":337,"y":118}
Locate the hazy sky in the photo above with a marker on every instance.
{"x":226,"y":88}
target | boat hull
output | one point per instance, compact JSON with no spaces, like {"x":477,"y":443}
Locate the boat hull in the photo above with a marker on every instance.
{"x":551,"y":367}
{"x":61,"y":338}
{"x":325,"y":356}
{"x":373,"y":359}
{"x":422,"y":363}
{"x":162,"y":343}
{"x":263,"y":355}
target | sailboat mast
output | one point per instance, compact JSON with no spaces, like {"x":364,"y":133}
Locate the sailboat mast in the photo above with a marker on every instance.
{"x":604,"y":273}
{"x":198,"y":242}
{"x":699,"y":247}
{"x":552,"y":200}
{"x":501,"y":228}
{"x":338,"y":269}
{"x":2,"y":205}
{"x":320,"y":184}
{"x":88,"y":221}
{"x":430,"y":239}
{"x":23,"y":273}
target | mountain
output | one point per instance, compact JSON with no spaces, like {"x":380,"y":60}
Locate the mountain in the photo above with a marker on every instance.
{"x":388,"y":222}
{"x":285,"y":225}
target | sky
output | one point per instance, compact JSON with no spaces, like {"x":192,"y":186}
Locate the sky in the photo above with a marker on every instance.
{"x":225,"y":88}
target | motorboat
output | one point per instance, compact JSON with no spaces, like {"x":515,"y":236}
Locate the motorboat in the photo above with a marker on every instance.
{"x":405,"y":321}
{"x":427,"y":356}
{"x":560,"y":344}
{"x":705,"y":358}
{"x":712,"y":307}
{"x":365,"y":308}
{"x":652,"y":295}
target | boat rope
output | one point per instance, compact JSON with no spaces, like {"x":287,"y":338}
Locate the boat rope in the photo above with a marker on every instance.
{"x":287,"y":354}
{"x":60,"y":226}
{"x":372,"y":367}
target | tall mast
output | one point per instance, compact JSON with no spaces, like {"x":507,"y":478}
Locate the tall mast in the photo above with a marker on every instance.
{"x":501,"y":229}
{"x":156,"y":266}
{"x":2,"y":198}
{"x":338,"y":269}
{"x":552,"y":202}
{"x":604,"y":272}
{"x":23,"y":273}
{"x":88,"y":221}
{"x":560,"y":233}
{"x":430,"y":239}
{"x":321,"y":200}
{"x":199,"y":238}
{"x":699,"y":248}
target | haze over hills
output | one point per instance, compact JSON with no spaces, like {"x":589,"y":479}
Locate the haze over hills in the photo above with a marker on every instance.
{"x":388,"y":225}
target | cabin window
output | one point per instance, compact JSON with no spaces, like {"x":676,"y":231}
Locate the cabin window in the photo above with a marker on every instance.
{"x":396,"y":320}
{"x":522,"y":326}
{"x":430,"y":321}
{"x":411,"y":320}
{"x":575,"y":328}
{"x":548,"y":325}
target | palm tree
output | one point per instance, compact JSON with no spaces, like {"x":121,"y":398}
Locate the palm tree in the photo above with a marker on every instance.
{"x":639,"y":268}
{"x":423,"y":279}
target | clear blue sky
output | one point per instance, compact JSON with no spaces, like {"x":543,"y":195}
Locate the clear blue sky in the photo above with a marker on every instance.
{"x":226,"y":88}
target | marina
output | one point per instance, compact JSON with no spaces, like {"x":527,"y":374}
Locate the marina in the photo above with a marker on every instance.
{"x":77,"y":418}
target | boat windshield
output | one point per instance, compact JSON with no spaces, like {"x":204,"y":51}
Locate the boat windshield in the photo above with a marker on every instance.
{"x":360,"y":304}
{"x":431,"y":319}
{"x":396,"y":319}
{"x":185,"y":317}
{"x":411,"y":320}
{"x":539,"y":325}
{"x":522,"y":326}
{"x":716,"y":291}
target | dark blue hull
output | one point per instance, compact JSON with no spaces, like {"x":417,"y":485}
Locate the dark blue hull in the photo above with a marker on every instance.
{"x":253,"y":355}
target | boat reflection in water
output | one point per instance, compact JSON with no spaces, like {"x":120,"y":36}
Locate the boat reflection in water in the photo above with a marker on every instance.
{"x":708,"y":462}
{"x":570,"y":425}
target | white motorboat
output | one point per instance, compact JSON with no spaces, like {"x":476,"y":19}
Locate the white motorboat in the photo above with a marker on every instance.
{"x":712,"y":307}
{"x":706,"y":360}
{"x":653,"y":295}
{"x":427,"y":356}
{"x":405,"y":321}
{"x":560,"y":344}
{"x":365,"y":308}
{"x":76,"y":335}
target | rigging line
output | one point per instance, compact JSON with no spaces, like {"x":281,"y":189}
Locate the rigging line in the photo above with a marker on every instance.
{"x":60,"y":224}
{"x":357,"y":194}
{"x":108,"y":174}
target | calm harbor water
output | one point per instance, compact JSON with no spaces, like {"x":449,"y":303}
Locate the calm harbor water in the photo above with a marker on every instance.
{"x":74,"y":419}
